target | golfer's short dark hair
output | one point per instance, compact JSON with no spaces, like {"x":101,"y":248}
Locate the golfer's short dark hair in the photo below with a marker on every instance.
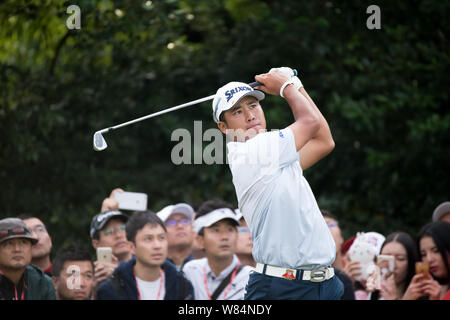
{"x":139,"y":220}
{"x":211,"y":205}
{"x":69,"y":253}
{"x":26,"y":216}
{"x":222,"y":117}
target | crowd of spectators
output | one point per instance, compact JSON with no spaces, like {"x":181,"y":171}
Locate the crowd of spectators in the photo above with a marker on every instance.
{"x":179,"y":253}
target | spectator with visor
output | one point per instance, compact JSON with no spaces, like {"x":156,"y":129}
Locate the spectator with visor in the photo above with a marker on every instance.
{"x":220,"y":275}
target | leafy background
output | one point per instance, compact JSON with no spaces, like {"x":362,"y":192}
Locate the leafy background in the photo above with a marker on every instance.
{"x":384,"y":93}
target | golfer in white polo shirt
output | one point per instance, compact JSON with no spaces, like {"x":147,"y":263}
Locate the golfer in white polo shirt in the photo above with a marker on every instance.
{"x":220,"y":275}
{"x":292,"y":244}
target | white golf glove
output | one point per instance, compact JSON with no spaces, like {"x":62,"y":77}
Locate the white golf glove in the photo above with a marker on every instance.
{"x":292,"y":78}
{"x":284,"y":70}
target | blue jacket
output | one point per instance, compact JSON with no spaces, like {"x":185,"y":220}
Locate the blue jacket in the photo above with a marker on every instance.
{"x":121,"y":285}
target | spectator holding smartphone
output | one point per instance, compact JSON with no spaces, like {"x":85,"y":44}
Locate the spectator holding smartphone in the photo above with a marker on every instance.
{"x":108,"y":230}
{"x":402,"y":247}
{"x":148,"y":275}
{"x":434,"y":248}
{"x":361,"y":266}
{"x":110,"y":203}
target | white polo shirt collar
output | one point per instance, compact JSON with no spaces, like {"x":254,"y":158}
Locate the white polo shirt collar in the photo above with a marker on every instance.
{"x":224,"y":273}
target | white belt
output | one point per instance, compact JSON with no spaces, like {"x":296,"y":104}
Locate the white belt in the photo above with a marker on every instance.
{"x":317,"y":275}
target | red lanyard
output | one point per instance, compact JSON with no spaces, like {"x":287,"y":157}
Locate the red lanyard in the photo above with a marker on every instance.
{"x":228,"y":286}
{"x":161,"y":281}
{"x":22,"y":297}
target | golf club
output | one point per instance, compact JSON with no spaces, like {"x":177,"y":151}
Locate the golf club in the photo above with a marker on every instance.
{"x":100,"y":142}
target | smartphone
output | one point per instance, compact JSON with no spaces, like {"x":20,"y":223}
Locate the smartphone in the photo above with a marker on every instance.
{"x":374,"y":278}
{"x":135,"y":201}
{"x":422,"y":267}
{"x":104,"y":254}
{"x":386,"y":264}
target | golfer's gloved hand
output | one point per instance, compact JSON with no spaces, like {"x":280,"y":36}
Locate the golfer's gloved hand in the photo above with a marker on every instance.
{"x":291,"y":74}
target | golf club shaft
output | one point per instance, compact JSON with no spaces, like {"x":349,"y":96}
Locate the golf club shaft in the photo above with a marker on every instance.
{"x":184,"y":105}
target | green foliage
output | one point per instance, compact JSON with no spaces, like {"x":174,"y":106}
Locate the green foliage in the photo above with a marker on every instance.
{"x":384,"y":93}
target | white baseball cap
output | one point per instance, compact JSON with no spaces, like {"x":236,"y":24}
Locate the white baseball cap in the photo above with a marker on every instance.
{"x":441,"y":210}
{"x":212,"y":217}
{"x":182,"y":208}
{"x":230,"y":94}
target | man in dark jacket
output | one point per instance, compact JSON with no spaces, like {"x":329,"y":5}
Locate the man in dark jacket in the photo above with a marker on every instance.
{"x":18,"y":279}
{"x":148,"y":275}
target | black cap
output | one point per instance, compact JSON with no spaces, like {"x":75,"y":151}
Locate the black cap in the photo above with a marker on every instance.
{"x":15,"y":228}
{"x":99,"y":221}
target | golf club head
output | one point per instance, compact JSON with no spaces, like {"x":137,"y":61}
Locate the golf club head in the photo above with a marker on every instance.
{"x":99,"y":142}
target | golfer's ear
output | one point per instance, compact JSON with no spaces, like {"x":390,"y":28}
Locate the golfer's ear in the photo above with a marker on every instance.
{"x":222,"y":126}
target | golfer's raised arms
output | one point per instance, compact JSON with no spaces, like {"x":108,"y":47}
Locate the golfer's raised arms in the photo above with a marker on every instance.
{"x":321,"y":144}
{"x":306,"y":122}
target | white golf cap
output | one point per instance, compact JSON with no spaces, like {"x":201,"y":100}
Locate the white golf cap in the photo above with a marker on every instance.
{"x":182,"y":208}
{"x":441,"y":210}
{"x":212,"y":217}
{"x":230,"y":94}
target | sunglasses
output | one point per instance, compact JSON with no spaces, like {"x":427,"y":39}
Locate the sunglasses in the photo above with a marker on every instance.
{"x":243,"y":230}
{"x":332,"y":224}
{"x":39,"y":230}
{"x":111,"y":231}
{"x":12,"y":232}
{"x":174,"y":222}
